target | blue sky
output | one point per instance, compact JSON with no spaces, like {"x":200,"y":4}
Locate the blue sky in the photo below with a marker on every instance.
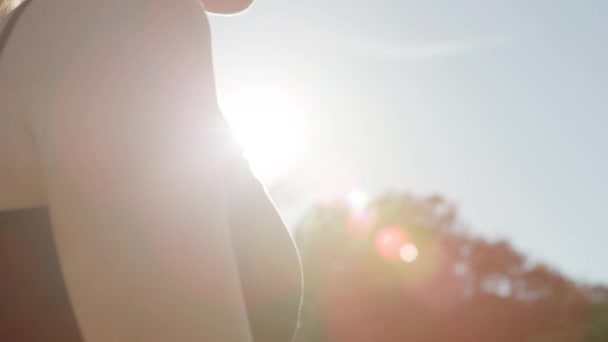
{"x":501,"y":107}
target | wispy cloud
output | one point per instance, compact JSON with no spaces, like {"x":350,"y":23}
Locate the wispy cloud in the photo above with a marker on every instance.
{"x":381,"y":48}
{"x":427,"y":50}
{"x":416,"y":51}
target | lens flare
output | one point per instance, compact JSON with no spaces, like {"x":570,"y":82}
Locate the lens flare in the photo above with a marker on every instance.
{"x":389,"y":241}
{"x":408,"y":253}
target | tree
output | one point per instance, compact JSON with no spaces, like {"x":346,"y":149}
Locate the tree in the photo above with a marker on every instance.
{"x":405,"y":269}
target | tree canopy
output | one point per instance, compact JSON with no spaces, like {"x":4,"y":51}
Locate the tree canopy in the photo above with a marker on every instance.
{"x":405,"y":268}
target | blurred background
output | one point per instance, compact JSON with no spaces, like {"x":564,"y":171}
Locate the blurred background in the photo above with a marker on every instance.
{"x":441,"y":164}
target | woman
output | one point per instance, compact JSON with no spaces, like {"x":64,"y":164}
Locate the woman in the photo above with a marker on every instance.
{"x":126,"y":215}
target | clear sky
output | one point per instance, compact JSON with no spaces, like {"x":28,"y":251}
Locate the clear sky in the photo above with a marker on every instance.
{"x":500,"y":106}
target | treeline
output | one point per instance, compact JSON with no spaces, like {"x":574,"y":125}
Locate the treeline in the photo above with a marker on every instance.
{"x":406,"y":269}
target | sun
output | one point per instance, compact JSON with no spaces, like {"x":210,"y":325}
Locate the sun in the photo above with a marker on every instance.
{"x":267,"y":123}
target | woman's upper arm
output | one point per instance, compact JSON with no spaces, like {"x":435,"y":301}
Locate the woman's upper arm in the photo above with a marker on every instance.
{"x":134,"y":186}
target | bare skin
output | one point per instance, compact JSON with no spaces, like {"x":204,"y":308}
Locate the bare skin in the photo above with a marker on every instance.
{"x":226,"y":7}
{"x":109,"y":118}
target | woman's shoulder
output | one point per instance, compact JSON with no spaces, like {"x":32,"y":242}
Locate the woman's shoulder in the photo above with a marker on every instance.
{"x":85,"y":64}
{"x":51,"y":31}
{"x":110,"y":42}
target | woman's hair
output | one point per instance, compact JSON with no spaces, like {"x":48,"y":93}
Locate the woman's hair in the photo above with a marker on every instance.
{"x":6,"y":6}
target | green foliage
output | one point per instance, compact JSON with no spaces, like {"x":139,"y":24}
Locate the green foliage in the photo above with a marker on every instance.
{"x":597,"y":329}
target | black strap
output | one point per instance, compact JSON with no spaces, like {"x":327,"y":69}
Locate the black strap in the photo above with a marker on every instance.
{"x":10,"y":24}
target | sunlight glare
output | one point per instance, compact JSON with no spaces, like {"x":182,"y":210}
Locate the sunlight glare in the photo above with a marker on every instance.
{"x":357,"y":200}
{"x":266,"y":122}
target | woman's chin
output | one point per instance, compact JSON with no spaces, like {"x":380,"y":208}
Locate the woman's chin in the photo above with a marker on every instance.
{"x":226,"y":7}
